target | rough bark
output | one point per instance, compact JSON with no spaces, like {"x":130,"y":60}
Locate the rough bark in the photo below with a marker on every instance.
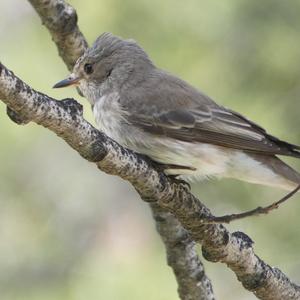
{"x":218,"y":244}
{"x":182,"y":257}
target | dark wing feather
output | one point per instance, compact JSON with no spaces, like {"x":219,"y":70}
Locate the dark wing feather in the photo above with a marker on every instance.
{"x":176,"y":110}
{"x":219,"y":127}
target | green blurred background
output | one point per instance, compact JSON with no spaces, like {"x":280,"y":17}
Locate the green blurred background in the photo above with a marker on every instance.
{"x":70,"y":232}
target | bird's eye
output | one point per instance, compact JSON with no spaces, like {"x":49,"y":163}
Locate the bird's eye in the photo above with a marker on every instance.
{"x":88,"y":69}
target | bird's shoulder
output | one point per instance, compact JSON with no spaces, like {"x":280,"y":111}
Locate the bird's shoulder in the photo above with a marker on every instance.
{"x":161,"y":91}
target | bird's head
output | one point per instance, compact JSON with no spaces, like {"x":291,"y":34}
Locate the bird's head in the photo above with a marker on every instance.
{"x":107,"y":66}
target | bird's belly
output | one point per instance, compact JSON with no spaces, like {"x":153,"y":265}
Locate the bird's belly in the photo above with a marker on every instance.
{"x":199,"y":160}
{"x":204,"y":160}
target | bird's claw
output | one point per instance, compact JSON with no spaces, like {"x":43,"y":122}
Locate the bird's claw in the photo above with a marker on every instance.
{"x":180,"y":181}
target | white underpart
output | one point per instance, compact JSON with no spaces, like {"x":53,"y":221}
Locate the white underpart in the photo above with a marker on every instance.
{"x":206,"y":160}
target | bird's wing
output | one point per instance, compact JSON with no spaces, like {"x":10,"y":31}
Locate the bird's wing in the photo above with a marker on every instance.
{"x":217,"y":126}
{"x":176,"y":110}
{"x":167,"y":106}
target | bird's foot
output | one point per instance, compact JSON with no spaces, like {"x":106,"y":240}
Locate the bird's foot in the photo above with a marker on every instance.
{"x":175,"y":177}
{"x":180,"y":181}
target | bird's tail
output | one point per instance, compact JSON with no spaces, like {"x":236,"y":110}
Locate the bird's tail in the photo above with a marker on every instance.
{"x":283,"y":175}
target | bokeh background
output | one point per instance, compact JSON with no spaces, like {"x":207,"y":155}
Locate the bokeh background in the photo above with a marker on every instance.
{"x":70,"y":232}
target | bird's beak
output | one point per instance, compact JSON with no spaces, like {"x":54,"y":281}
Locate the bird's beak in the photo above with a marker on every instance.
{"x":71,"y":80}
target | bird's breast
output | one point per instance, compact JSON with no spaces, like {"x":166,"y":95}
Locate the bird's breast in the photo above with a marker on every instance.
{"x":109,"y":116}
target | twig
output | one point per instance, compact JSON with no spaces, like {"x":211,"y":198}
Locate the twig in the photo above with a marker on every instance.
{"x":250,"y":213}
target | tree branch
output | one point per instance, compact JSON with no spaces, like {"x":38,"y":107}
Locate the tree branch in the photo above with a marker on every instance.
{"x":65,"y":119}
{"x":182,"y":256}
{"x":60,"y":18}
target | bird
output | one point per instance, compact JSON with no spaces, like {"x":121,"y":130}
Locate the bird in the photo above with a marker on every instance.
{"x":157,"y":114}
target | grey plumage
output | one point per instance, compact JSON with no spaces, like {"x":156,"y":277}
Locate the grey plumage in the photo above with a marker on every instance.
{"x":157,"y":114}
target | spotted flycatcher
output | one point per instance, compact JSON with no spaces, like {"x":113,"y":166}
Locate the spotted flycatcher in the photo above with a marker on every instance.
{"x":157,"y":114}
